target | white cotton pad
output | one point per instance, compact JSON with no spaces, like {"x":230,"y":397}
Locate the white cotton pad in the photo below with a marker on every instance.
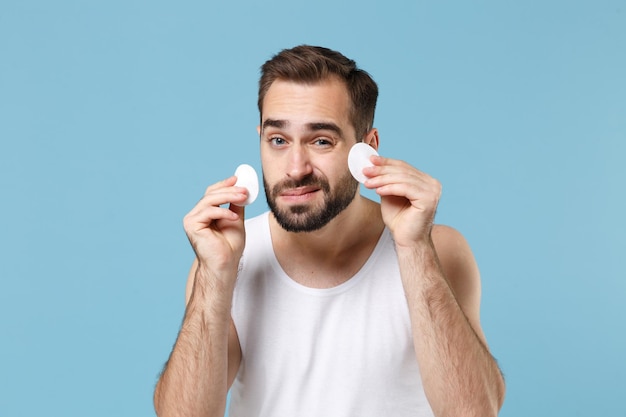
{"x":359,"y":158}
{"x":247,"y":178}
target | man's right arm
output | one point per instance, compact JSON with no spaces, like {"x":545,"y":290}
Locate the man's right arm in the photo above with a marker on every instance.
{"x":206,"y":355}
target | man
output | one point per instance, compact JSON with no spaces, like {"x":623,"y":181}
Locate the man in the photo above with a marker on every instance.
{"x":331,"y":304}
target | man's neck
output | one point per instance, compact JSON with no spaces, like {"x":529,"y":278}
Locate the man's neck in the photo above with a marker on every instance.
{"x":332,"y":254}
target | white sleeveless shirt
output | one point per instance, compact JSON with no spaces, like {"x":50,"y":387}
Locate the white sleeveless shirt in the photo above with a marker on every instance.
{"x":344,"y":351}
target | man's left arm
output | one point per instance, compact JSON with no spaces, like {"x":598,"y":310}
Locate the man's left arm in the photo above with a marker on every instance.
{"x":442,"y":286}
{"x":460,"y":376}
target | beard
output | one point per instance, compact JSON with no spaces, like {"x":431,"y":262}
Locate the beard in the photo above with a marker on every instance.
{"x":306,"y":217}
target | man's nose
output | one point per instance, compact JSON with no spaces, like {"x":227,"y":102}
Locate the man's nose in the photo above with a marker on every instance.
{"x":299,"y":163}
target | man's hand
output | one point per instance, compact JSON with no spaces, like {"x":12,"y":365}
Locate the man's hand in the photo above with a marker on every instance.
{"x":206,"y":355}
{"x":216,"y":233}
{"x":409,"y":199}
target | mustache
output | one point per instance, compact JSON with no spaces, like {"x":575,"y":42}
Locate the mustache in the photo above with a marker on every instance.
{"x":309,"y":180}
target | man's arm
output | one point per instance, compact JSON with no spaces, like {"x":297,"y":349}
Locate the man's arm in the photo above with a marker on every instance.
{"x":206,"y":354}
{"x":442,"y":287}
{"x":460,"y":376}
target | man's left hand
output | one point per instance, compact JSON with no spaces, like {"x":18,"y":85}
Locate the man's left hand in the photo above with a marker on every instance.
{"x":409,"y":199}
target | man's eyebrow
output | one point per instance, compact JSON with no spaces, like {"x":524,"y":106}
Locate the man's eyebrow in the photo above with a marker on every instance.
{"x":279,"y":124}
{"x":325,"y":126}
{"x":313,"y":127}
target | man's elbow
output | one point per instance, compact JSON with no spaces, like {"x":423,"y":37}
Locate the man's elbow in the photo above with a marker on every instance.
{"x":499,"y":394}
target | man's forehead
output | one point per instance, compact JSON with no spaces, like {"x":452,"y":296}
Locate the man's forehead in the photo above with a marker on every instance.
{"x":306,"y":107}
{"x":285,"y":100}
{"x":283,"y":88}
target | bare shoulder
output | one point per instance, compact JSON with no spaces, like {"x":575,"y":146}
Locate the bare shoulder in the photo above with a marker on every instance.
{"x":453,"y":249}
{"x":442,"y":233}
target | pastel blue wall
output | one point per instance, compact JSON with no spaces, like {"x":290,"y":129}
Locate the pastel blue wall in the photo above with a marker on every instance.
{"x":115,"y":115}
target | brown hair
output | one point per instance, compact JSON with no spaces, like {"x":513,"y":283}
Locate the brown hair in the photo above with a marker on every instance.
{"x":311,"y":64}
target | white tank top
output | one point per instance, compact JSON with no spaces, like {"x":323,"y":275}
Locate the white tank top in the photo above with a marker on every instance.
{"x":344,"y":351}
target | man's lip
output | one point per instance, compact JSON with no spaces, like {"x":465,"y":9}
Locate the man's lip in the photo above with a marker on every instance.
{"x":295,"y":192}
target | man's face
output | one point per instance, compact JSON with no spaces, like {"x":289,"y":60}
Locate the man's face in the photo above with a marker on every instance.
{"x":306,"y":135}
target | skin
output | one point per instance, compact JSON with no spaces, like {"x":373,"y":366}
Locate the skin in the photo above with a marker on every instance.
{"x":306,"y":133}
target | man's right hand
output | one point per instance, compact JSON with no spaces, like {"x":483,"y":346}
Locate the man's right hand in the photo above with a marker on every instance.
{"x":206,"y":356}
{"x":217,"y":233}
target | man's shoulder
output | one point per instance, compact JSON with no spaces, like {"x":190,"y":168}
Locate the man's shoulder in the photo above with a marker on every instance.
{"x":451,"y":245}
{"x":455,"y":256}
{"x":443,"y":235}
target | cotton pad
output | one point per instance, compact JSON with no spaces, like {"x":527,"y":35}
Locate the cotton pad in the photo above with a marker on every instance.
{"x":247,"y":178}
{"x":359,"y":158}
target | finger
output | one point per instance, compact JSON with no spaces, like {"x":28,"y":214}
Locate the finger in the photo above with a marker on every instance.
{"x":238,"y":210}
{"x":422,"y":195}
{"x":388,"y":170}
{"x":384,"y":161}
{"x":382,"y":165}
{"x":222,"y":196}
{"x":381,"y":176}
{"x":227,"y":182}
{"x":200,"y":219}
{"x":401,"y":179}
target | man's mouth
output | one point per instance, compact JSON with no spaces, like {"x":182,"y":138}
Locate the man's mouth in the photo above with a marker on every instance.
{"x":298,"y":192}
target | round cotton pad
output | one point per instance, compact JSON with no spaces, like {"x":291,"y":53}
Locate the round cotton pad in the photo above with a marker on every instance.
{"x":247,"y":178}
{"x":359,"y":158}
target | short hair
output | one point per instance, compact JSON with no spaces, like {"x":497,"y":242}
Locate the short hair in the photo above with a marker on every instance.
{"x":311,"y":64}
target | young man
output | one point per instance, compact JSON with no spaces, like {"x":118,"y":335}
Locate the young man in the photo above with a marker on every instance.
{"x":330,"y":304}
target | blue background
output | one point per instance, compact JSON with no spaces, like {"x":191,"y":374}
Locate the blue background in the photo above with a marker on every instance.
{"x":115,"y":115}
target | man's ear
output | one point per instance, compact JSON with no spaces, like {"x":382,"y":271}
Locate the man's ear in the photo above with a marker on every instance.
{"x":371,"y":138}
{"x":258,"y":130}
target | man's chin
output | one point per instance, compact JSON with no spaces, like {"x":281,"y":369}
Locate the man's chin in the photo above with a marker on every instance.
{"x":299,"y":220}
{"x":299,"y":210}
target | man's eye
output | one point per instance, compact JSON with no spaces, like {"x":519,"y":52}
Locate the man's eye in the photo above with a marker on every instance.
{"x":277,"y":141}
{"x":322,"y":142}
